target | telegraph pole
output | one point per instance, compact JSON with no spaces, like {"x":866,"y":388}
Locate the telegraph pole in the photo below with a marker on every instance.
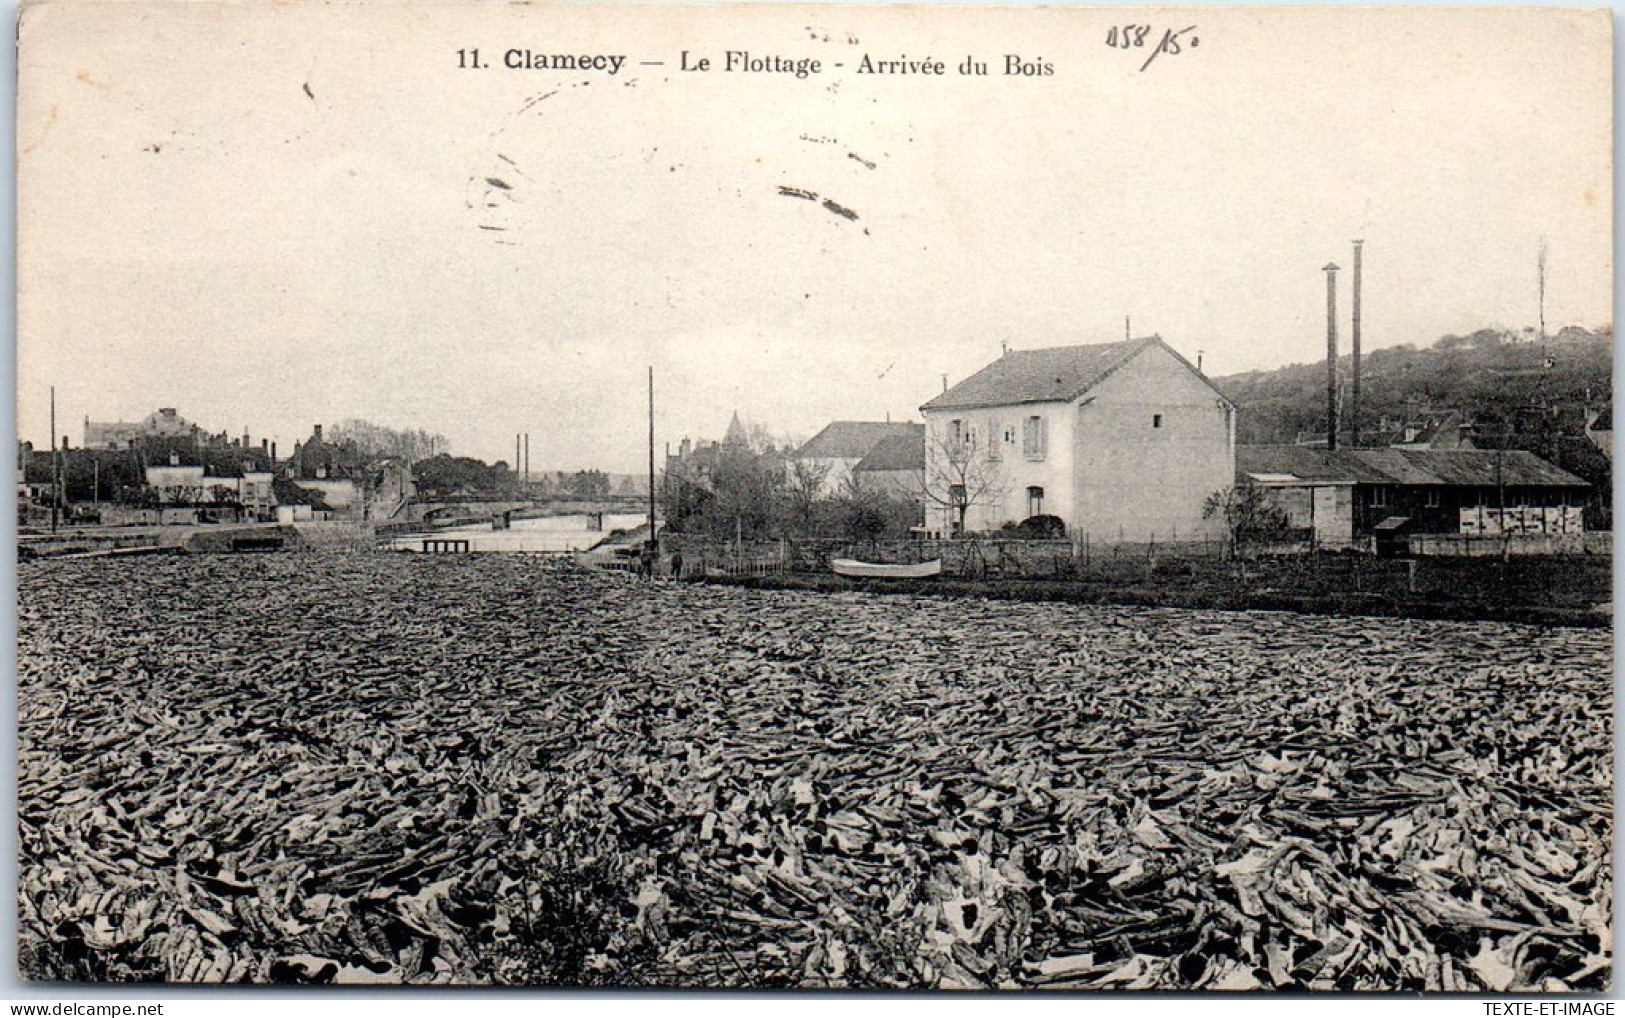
{"x":651,"y":454}
{"x":55,"y":491}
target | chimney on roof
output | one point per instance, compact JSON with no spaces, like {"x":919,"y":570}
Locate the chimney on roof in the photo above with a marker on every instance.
{"x":1331,"y":355}
{"x":318,"y":432}
{"x":1354,"y":339}
{"x":945,"y":383}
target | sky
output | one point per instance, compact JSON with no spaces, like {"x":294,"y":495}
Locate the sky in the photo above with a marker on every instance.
{"x":274,"y":215}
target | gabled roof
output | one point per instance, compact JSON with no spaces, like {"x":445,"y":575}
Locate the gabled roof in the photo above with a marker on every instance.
{"x":1427,"y":467}
{"x":853,"y":439}
{"x":1057,"y":374}
{"x":1304,"y":462}
{"x":1478,"y":467}
{"x":898,"y":451}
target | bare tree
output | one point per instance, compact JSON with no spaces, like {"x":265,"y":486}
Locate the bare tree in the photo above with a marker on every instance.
{"x":1249,"y":517}
{"x":803,"y":489}
{"x":375,"y":440}
{"x":957,"y":479}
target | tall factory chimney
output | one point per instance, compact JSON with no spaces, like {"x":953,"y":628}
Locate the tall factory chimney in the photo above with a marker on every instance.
{"x":1331,"y":356}
{"x":1354,"y":339}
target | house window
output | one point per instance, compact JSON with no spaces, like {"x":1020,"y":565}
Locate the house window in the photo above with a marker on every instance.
{"x":956,"y":495}
{"x":1156,"y":420}
{"x":1379,"y":496}
{"x":1035,"y":501}
{"x":1033,"y":444}
{"x":956,"y":431}
{"x":995,"y":447}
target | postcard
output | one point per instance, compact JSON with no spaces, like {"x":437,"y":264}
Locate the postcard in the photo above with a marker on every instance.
{"x":809,"y":497}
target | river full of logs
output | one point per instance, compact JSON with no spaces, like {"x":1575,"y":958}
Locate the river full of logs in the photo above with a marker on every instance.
{"x":496,"y":769}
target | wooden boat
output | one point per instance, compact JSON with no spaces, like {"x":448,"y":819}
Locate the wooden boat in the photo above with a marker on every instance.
{"x":891,"y":571}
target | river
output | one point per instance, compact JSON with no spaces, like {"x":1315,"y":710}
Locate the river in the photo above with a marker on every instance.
{"x":556,"y":534}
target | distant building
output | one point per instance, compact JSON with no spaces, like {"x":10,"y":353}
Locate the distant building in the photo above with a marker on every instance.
{"x":163,"y":423}
{"x":1345,"y":497}
{"x":336,"y":469}
{"x":244,"y":495}
{"x":896,"y":464}
{"x":1122,"y":441}
{"x":842,"y":445}
{"x":1600,"y":430}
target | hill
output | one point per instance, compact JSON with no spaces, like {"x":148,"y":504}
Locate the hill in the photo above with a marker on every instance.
{"x":1492,"y":377}
{"x":1504,"y":389}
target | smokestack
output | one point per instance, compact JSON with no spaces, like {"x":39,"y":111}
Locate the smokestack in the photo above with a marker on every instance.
{"x":527,"y":456}
{"x":516,"y":452}
{"x":1331,"y":356}
{"x":1354,"y":338}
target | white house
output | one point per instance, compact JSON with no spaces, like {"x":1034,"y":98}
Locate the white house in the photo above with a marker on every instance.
{"x":176,"y":485}
{"x":842,"y":445}
{"x":1122,"y":441}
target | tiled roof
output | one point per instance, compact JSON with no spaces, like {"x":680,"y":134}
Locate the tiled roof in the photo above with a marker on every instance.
{"x":853,"y":439}
{"x":1055,"y":374}
{"x":1460,"y":467}
{"x":900,"y":451}
{"x":1478,"y":466}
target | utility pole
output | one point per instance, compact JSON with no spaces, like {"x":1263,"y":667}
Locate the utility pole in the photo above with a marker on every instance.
{"x":1541,"y":268}
{"x":1545,"y":355}
{"x":1331,"y":356}
{"x":652,"y":532}
{"x":55,"y":491}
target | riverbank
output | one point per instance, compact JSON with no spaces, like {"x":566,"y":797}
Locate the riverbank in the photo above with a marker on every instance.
{"x":82,"y":542}
{"x":1565,"y":591}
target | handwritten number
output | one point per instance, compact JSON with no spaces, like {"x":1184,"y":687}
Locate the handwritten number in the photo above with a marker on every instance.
{"x":1127,"y":36}
{"x":1173,"y":42}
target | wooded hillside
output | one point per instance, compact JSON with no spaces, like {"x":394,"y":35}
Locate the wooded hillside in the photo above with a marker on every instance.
{"x":1491,"y":375}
